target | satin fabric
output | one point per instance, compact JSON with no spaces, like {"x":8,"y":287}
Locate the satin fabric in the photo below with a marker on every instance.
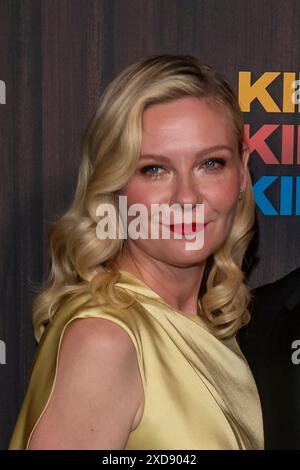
{"x":199,"y":391}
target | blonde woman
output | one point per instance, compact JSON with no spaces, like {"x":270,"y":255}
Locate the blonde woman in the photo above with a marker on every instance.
{"x":152,"y":360}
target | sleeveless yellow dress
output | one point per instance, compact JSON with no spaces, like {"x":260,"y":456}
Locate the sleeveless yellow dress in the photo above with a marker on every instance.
{"x":199,"y":391}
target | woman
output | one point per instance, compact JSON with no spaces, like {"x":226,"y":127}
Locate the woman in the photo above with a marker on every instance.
{"x":151,"y":361}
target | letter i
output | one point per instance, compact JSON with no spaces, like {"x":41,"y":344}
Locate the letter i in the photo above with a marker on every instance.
{"x":297,"y":211}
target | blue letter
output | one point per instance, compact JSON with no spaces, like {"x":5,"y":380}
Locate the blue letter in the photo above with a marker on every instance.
{"x":260,"y":198}
{"x":297,"y":210}
{"x":286,"y":195}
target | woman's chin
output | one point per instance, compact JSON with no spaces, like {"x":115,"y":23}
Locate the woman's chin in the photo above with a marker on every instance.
{"x":183,"y":257}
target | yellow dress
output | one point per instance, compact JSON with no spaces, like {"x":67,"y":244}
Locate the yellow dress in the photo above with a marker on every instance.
{"x":199,"y":391}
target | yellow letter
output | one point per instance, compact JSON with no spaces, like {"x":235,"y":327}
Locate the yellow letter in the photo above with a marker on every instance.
{"x":248,"y":92}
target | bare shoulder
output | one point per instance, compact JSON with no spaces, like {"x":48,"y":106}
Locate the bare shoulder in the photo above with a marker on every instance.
{"x":98,"y":335}
{"x":97,"y":391}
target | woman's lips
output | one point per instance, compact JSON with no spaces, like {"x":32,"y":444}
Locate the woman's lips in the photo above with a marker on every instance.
{"x":187,"y":228}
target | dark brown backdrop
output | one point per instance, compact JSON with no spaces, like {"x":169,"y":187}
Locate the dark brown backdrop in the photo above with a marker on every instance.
{"x":56,"y":57}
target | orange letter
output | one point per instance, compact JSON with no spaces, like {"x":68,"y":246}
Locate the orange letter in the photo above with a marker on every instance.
{"x":248,"y":92}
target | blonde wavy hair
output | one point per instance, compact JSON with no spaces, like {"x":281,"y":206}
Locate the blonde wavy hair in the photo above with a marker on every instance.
{"x":110,"y":148}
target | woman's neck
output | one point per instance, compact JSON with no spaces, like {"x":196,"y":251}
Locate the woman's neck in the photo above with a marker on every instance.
{"x":178,"y":286}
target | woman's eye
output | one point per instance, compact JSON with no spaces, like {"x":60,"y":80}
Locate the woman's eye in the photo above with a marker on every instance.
{"x":151,"y":170}
{"x":213,"y":163}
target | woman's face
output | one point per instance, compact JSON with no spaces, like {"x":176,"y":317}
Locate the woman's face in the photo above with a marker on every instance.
{"x":189,"y":155}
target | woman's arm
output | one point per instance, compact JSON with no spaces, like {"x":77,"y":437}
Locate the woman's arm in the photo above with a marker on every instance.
{"x":98,"y":391}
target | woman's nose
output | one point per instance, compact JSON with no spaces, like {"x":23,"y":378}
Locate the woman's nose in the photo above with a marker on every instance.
{"x":187,"y":191}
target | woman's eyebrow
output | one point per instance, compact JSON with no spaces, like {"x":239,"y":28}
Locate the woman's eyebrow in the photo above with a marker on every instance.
{"x":201,"y":153}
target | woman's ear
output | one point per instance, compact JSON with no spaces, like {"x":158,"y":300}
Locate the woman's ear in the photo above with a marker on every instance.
{"x":244,"y":166}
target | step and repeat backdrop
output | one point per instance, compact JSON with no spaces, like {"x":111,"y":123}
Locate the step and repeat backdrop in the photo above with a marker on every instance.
{"x":56,"y":58}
